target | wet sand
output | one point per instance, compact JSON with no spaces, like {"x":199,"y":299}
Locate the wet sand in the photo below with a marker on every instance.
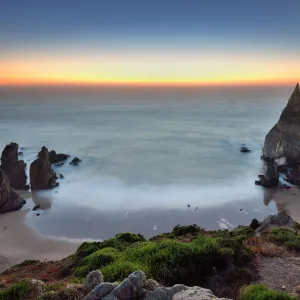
{"x":19,"y":242}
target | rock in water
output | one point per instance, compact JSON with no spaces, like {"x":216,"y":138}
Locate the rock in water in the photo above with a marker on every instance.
{"x":13,"y":167}
{"x":41,"y":174}
{"x":283,"y":140}
{"x":57,"y":157}
{"x":75,"y":161}
{"x":9,"y":199}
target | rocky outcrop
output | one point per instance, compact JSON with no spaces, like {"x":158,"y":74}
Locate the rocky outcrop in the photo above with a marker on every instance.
{"x":283,"y":140}
{"x":13,"y":167}
{"x":9,"y":199}
{"x":136,"y":286}
{"x":41,"y":174}
{"x":93,"y":279}
{"x":281,"y":219}
{"x":57,"y":157}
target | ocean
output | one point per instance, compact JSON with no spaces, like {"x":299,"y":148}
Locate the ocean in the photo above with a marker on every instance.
{"x":147,"y":153}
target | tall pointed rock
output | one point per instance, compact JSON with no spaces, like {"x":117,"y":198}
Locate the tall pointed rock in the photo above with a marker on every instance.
{"x":283,"y":140}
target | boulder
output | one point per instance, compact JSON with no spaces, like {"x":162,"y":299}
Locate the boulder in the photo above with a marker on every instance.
{"x":283,"y":140}
{"x":57,"y":157}
{"x":37,"y":288}
{"x":196,"y":293}
{"x":41,"y":174}
{"x":100,"y":291}
{"x":93,"y":279}
{"x":13,"y":167}
{"x":129,"y":289}
{"x":9,"y":199}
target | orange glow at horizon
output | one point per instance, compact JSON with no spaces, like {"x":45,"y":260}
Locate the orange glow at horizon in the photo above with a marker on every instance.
{"x":146,"y":69}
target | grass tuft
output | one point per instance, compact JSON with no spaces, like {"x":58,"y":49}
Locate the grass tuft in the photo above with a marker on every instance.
{"x":262,"y":292}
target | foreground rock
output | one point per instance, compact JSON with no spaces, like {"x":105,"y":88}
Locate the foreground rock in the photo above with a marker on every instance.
{"x":41,"y":174}
{"x":196,"y":293}
{"x":13,"y":167}
{"x":57,"y":157}
{"x":9,"y":199}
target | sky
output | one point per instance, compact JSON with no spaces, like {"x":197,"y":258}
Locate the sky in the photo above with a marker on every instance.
{"x":199,"y":42}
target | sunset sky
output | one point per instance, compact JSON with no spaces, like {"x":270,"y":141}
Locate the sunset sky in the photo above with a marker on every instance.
{"x":149,"y":42}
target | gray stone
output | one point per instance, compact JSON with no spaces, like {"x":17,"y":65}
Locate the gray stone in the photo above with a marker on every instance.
{"x":164,"y":293}
{"x":93,"y":279}
{"x":100,"y":291}
{"x":129,"y":289}
{"x":196,"y":293}
{"x":151,"y":285}
{"x":37,"y":288}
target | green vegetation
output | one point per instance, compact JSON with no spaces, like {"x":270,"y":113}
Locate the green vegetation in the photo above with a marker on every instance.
{"x":66,"y":294}
{"x":285,"y":237}
{"x":261,"y":292}
{"x":120,"y":241}
{"x":183,"y":230}
{"x":17,"y":291}
{"x":166,"y":260}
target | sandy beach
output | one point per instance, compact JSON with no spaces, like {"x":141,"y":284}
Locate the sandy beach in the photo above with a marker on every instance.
{"x":19,"y":242}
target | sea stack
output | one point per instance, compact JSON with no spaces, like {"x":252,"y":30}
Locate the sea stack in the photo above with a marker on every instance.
{"x":42,"y":176}
{"x":13,"y":167}
{"x":282,"y":143}
{"x":9,"y":199}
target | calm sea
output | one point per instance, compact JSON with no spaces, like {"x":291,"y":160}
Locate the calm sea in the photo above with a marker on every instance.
{"x":146,"y":154}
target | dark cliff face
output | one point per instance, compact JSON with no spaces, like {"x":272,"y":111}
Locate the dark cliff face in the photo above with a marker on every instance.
{"x":283,"y":140}
{"x":9,"y":199}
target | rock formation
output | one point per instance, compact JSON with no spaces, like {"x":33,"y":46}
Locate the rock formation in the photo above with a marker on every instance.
{"x":57,"y":157}
{"x":281,"y":150}
{"x":282,"y":143}
{"x":9,"y":199}
{"x":13,"y":167}
{"x":41,"y":174}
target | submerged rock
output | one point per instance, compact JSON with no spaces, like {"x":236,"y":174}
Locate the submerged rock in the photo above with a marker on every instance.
{"x":41,"y":174}
{"x":9,"y":199}
{"x":75,"y":161}
{"x":13,"y":167}
{"x":57,"y":157}
{"x":283,"y":140}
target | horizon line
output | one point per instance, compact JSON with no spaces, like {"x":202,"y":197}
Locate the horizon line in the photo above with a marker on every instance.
{"x":147,"y":84}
